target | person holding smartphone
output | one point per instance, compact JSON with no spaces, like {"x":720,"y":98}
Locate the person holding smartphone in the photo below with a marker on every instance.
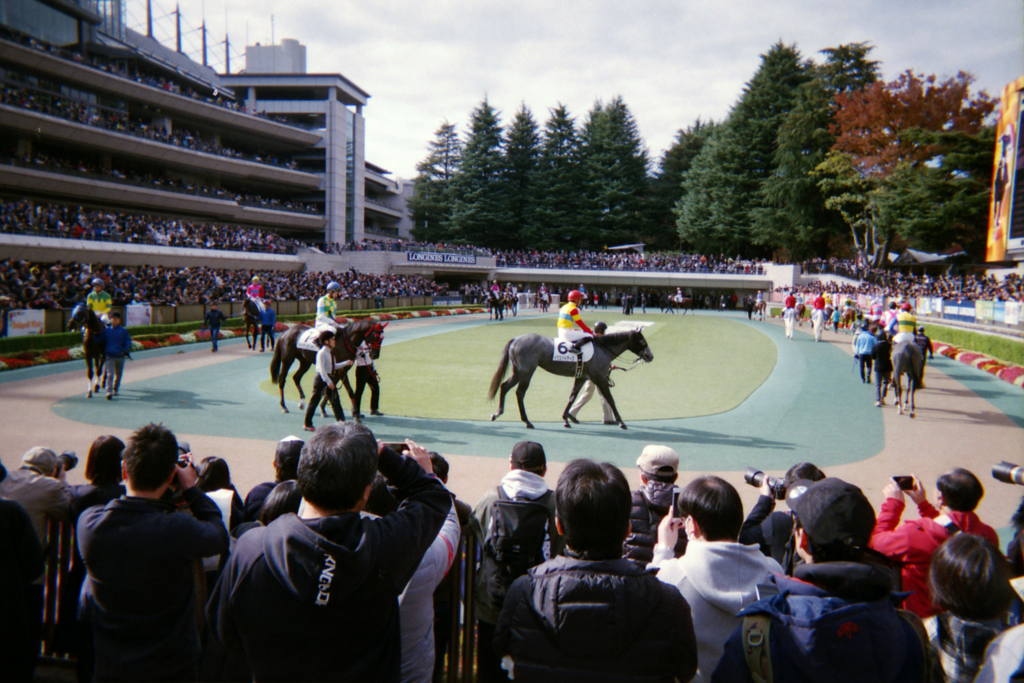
{"x":912,"y":543}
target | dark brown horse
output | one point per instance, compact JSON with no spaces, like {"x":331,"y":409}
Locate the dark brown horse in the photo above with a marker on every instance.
{"x":92,"y":342}
{"x":252,"y":320}
{"x":348,"y":338}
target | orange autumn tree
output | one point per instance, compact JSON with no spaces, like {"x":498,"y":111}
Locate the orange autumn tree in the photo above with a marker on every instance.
{"x":877,"y":132}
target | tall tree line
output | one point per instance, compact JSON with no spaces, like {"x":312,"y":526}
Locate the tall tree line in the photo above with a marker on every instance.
{"x":815,"y":159}
{"x":566,"y":185}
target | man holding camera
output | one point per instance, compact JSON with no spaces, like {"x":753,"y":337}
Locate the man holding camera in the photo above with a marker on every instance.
{"x":140,"y":555}
{"x":314,"y":596}
{"x":770,"y":529}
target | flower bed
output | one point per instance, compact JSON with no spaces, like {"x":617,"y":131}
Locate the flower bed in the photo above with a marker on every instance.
{"x":1008,"y":372}
{"x":26,"y":359}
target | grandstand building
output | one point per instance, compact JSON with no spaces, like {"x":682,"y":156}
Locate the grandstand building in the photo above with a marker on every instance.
{"x":97,"y":116}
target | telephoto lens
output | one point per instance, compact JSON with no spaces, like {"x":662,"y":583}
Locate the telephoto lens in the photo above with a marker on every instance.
{"x":753,"y":476}
{"x":1008,"y":473}
{"x":68,"y":460}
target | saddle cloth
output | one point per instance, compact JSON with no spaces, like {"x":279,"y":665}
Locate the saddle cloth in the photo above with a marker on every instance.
{"x":307,"y":340}
{"x":563,"y":351}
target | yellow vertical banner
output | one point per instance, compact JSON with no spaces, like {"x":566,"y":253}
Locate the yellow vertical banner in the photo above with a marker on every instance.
{"x":1004,"y":171}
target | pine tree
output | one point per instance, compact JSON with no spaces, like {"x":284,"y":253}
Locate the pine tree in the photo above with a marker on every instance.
{"x":743,"y":158}
{"x":480,"y":208}
{"x":667,"y":186}
{"x":559,"y":186}
{"x":522,"y":158}
{"x":793,"y":215}
{"x":615,"y":165}
{"x":431,"y":203}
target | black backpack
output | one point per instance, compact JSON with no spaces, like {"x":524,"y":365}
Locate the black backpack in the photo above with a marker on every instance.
{"x":513,"y":541}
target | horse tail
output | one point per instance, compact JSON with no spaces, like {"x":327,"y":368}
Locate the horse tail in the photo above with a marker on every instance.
{"x":275,"y":361}
{"x":500,"y":374}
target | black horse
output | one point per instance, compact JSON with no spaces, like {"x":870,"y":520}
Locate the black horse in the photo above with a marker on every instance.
{"x":252,"y":320}
{"x":496,"y":305}
{"x":348,"y":338}
{"x":92,"y":342}
{"x":527,"y":352}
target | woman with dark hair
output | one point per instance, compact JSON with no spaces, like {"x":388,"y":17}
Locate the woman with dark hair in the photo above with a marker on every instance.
{"x":970,"y":582}
{"x":214,"y":475}
{"x":103,"y":471}
{"x":285,"y":498}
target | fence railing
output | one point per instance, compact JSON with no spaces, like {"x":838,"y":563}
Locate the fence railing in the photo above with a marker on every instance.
{"x":460,"y":656}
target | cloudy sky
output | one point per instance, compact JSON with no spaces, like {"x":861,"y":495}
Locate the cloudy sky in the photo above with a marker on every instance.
{"x":672,"y":61}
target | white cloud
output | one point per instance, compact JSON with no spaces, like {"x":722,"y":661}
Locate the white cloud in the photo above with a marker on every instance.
{"x":671,"y":60}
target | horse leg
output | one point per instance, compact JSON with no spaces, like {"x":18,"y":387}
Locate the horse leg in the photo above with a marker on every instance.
{"x":286,"y":365}
{"x":297,"y":378}
{"x":505,"y":387}
{"x":88,"y":368}
{"x":524,"y":384}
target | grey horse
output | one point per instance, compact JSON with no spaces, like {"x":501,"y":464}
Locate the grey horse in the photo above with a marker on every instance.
{"x":527,"y":352}
{"x":908,"y":360}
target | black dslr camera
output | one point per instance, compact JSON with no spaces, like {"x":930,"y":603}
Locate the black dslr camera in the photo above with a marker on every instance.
{"x":1008,"y":473}
{"x":68,"y":460}
{"x":756,"y":478}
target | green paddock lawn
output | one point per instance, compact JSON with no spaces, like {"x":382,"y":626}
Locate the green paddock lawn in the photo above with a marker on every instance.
{"x":702,"y":365}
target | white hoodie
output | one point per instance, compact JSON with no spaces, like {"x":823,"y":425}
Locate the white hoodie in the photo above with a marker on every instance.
{"x":717,"y":579}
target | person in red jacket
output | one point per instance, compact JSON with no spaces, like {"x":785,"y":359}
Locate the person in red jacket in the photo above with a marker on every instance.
{"x":912,"y":543}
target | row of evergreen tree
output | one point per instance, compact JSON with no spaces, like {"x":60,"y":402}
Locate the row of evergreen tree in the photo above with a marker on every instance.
{"x":812,"y":160}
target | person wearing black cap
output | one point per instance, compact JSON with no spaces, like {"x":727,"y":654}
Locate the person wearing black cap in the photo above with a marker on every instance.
{"x":836,"y":619}
{"x":286,"y":462}
{"x":523,"y":486}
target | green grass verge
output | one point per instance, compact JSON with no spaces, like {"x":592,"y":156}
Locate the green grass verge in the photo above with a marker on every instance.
{"x":1001,"y":348}
{"x":702,"y":365}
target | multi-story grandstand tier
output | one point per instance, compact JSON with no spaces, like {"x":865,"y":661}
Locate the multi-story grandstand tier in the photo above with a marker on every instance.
{"x":96,"y":117}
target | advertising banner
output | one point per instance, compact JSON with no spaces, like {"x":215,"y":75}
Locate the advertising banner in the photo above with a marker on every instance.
{"x":434,"y":257}
{"x":937,"y":305}
{"x":983,"y":310}
{"x":959,"y":310}
{"x":25,"y":322}
{"x":998,"y":311}
{"x":1012,"y":313}
{"x":1006,"y":221}
{"x":138,"y":314}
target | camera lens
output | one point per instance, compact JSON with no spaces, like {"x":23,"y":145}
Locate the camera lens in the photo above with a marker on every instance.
{"x":1008,"y":473}
{"x":753,"y":476}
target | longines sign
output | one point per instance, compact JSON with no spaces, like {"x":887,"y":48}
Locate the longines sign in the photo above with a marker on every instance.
{"x":434,"y":257}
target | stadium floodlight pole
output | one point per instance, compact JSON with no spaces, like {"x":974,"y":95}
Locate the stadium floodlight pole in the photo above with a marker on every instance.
{"x":203,"y":29}
{"x":177,"y":17}
{"x":149,"y":18}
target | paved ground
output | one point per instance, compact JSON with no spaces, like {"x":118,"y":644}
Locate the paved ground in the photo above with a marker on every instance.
{"x":812,"y":407}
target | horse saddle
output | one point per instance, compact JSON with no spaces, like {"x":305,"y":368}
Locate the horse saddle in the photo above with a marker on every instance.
{"x":307,"y":340}
{"x":563,"y":351}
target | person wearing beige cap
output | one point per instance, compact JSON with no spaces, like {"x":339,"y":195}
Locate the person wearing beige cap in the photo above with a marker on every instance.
{"x":659,"y":469}
{"x":39,"y":487}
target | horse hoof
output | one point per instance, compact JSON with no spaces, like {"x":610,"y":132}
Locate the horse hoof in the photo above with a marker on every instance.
{"x":529,"y":425}
{"x":302,"y":405}
{"x":622,"y":425}
{"x":494,"y":417}
{"x":284,"y":410}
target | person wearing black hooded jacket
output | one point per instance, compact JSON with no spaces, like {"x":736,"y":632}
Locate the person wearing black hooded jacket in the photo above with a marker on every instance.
{"x":592,"y":615}
{"x":314,"y":596}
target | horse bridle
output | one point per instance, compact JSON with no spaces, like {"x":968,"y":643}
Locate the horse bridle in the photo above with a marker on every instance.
{"x":373,"y":338}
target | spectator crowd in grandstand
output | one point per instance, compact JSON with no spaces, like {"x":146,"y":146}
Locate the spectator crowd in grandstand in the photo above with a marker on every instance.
{"x":328,"y":571}
{"x":116,"y":118}
{"x":56,"y":220}
{"x":61,"y":285}
{"x":623,"y":260}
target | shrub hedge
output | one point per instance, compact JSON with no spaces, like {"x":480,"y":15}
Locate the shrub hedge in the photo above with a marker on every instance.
{"x":1009,"y":350}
